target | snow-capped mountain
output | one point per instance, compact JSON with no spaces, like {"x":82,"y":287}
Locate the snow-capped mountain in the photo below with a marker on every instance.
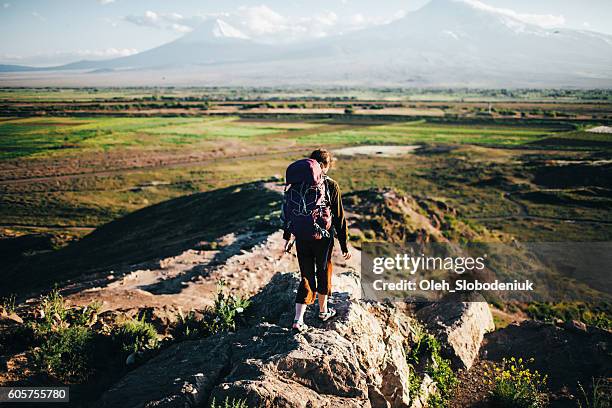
{"x":445,"y":43}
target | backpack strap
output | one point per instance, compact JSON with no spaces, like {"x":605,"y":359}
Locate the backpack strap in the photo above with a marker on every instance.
{"x":327,"y":196}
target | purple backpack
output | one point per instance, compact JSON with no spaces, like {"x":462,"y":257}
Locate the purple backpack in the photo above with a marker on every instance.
{"x":306,"y":205}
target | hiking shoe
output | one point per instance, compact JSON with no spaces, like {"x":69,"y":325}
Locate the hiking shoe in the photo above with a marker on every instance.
{"x":327,"y":315}
{"x":299,"y":327}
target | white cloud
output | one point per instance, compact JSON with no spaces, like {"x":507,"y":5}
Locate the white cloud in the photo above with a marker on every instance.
{"x":107,"y":52}
{"x":6,"y":5}
{"x":260,"y":20}
{"x":265,"y":24}
{"x":542,"y":20}
{"x":104,"y":2}
{"x":36,"y":15}
{"x":164,"y":21}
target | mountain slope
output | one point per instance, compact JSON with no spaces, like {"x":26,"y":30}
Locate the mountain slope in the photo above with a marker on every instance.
{"x":212,"y":43}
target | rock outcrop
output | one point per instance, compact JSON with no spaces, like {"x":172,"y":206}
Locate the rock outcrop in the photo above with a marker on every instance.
{"x":356,"y":360}
{"x":460,"y":323}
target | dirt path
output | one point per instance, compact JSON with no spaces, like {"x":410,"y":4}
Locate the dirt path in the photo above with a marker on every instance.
{"x":189,"y":280}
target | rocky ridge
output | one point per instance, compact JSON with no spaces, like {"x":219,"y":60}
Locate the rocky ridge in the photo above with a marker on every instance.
{"x":355,"y":360}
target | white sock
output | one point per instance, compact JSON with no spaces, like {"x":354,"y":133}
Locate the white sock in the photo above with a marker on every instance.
{"x":300,"y":309}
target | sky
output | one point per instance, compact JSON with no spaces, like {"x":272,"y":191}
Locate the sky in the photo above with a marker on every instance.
{"x":48,"y":32}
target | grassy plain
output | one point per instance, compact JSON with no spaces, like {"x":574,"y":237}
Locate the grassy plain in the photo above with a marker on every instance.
{"x":65,"y":175}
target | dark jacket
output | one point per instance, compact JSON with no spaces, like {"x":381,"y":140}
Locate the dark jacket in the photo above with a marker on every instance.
{"x":338,"y":219}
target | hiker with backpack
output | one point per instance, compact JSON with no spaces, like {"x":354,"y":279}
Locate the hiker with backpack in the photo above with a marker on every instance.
{"x":312,"y":212}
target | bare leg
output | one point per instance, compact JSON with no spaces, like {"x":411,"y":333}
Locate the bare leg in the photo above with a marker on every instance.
{"x":322,"y":303}
{"x":300,"y":309}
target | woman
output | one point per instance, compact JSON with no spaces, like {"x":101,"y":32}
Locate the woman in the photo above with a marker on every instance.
{"x":314,"y":256}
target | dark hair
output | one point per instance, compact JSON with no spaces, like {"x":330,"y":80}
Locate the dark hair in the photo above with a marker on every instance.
{"x":322,"y":156}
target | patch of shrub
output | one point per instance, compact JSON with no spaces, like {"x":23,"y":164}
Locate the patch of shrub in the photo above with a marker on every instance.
{"x":56,"y":315}
{"x":516,"y":386}
{"x":230,"y":403}
{"x":438,"y":368}
{"x":66,"y":343}
{"x":68,"y":353}
{"x":135,"y":335}
{"x":187,"y":326}
{"x":223,"y":316}
{"x":226,"y":311}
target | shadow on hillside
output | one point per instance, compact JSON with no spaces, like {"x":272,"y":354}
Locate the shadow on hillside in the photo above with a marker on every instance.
{"x":175,"y":285}
{"x":149,"y":234}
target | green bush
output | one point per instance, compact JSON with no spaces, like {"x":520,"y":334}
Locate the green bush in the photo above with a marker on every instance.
{"x":438,"y":368}
{"x":68,"y":353}
{"x":230,"y":403}
{"x":55,"y":315}
{"x":516,"y":386}
{"x":53,"y":312}
{"x":187,"y":326}
{"x":66,"y":341}
{"x":135,"y":335}
{"x":223,"y":316}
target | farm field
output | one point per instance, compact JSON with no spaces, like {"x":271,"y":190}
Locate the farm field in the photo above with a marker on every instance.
{"x":67,"y":175}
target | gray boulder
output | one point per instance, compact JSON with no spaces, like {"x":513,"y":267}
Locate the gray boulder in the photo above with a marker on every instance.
{"x":460,"y":323}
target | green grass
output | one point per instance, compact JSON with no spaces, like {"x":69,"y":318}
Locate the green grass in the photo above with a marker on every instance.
{"x":57,"y":137}
{"x":338,"y":93}
{"x":68,"y":353}
{"x":68,"y":136}
{"x":600,"y":395}
{"x":40,"y":137}
{"x":454,"y":176}
{"x":134,"y":336}
{"x":426,"y":348}
{"x":229,"y":403}
{"x":223,"y":316}
{"x":425,"y":132}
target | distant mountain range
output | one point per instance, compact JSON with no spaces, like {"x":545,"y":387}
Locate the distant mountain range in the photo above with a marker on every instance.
{"x":445,"y":43}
